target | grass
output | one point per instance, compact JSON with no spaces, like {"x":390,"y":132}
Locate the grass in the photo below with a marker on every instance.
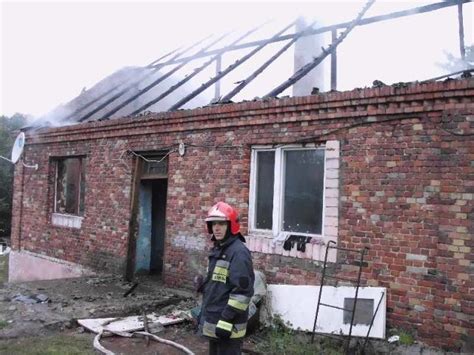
{"x":3,"y":323}
{"x":3,"y":269}
{"x":280,"y":339}
{"x":406,"y":338}
{"x":53,"y":345}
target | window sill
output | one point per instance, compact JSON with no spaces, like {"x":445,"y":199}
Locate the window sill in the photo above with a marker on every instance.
{"x":259,"y":243}
{"x":66,"y":220}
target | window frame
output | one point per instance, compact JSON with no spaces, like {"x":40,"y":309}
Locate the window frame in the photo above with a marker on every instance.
{"x":77,"y":212}
{"x":278,"y":194}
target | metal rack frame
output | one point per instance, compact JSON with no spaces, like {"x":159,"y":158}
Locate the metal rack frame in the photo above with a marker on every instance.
{"x":332,"y":245}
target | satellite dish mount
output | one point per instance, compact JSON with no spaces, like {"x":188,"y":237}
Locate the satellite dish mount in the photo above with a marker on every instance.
{"x":18,"y":147}
{"x":17,"y":151}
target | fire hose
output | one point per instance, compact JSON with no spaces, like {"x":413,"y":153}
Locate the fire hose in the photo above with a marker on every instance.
{"x":105,"y":351}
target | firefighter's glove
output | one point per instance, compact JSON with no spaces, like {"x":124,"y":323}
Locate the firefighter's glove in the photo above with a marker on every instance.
{"x":223,"y":329}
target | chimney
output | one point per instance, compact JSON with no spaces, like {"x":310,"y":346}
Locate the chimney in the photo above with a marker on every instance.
{"x":307,"y":48}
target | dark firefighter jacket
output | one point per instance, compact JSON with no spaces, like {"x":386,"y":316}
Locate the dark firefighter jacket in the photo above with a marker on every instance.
{"x":228,"y":289}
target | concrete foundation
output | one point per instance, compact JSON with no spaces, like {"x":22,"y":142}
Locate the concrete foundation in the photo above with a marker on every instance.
{"x":27,"y":266}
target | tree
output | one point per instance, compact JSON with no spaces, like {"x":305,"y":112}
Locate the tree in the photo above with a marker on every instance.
{"x":8,"y":128}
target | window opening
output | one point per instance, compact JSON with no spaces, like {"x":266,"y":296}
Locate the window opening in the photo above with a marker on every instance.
{"x":288,"y":193}
{"x":70,"y":186}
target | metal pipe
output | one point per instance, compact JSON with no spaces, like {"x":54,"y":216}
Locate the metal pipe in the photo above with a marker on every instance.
{"x":336,"y":307}
{"x":355,"y":298}
{"x":372,"y":320}
{"x":321,"y":288}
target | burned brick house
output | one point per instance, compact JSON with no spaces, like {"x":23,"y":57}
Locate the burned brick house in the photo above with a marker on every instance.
{"x":389,"y":168}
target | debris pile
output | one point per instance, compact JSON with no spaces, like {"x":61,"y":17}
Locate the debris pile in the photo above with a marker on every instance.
{"x":38,"y":298}
{"x":134,"y":326}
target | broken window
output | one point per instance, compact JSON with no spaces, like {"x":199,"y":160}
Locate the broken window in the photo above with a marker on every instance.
{"x":70,"y":186}
{"x":288,"y":190}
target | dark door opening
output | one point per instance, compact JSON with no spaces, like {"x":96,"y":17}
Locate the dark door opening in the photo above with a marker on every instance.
{"x":158,"y":208}
{"x":151,"y":230}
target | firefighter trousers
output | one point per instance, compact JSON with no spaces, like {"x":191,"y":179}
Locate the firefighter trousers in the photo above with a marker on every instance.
{"x":225,"y":347}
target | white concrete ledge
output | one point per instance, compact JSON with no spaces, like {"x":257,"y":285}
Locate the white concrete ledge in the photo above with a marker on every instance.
{"x":315,"y":250}
{"x":296,"y":304}
{"x":66,"y":220}
{"x":28,"y":266}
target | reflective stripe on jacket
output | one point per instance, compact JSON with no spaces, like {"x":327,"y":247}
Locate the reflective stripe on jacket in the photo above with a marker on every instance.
{"x":228,"y":289}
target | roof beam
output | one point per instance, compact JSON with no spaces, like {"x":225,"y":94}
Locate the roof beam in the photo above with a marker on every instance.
{"x":131,"y":84}
{"x":311,"y":65}
{"x":226,"y":71}
{"x":366,"y":21}
{"x":96,"y":99}
{"x":190,"y":76}
{"x":264,"y":66}
{"x":156,"y":82}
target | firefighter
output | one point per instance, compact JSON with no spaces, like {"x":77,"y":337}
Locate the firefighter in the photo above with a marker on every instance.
{"x":228,"y":287}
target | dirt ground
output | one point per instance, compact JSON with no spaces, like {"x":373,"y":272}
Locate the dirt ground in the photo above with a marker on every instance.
{"x":50,"y":327}
{"x":23,"y":321}
{"x":72,"y":299}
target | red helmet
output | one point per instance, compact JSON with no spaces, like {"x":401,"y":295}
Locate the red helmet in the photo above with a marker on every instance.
{"x":221,"y":211}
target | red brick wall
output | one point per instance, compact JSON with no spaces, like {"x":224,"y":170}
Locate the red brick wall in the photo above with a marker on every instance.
{"x":406,"y":191}
{"x":101,"y":242}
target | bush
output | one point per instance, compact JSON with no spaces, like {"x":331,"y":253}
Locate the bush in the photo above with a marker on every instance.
{"x":8,"y":128}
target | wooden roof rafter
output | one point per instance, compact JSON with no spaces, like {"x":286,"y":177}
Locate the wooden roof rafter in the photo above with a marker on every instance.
{"x":181,"y":58}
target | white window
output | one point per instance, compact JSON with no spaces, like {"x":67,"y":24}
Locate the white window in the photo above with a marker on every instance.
{"x":288,"y":192}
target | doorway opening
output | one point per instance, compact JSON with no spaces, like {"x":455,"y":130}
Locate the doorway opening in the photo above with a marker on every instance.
{"x":152,"y":197}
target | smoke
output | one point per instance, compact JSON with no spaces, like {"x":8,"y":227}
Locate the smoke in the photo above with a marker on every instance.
{"x":454,"y":63}
{"x":115,"y":89}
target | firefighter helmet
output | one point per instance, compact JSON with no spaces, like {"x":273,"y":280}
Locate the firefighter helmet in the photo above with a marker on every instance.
{"x":221,"y":211}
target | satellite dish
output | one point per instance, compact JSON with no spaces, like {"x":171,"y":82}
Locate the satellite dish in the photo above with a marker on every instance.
{"x":18,"y":147}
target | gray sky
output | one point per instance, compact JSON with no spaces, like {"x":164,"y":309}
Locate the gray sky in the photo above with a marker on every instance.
{"x":50,"y":51}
